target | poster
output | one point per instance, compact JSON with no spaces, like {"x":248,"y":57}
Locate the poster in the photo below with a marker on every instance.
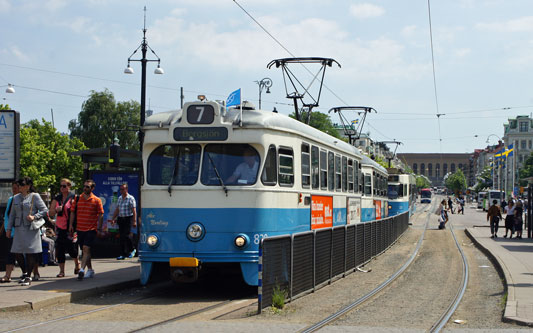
{"x":321,"y":212}
{"x":8,"y":145}
{"x":353,"y":210}
{"x":108,"y":190}
{"x":377,"y":204}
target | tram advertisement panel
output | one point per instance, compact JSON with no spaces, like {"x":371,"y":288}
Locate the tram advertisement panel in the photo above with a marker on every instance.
{"x":107,"y":189}
{"x":377,"y":204}
{"x":321,"y":212}
{"x":353,"y":210}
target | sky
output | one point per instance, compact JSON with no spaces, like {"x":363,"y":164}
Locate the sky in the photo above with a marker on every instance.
{"x":56,"y":52}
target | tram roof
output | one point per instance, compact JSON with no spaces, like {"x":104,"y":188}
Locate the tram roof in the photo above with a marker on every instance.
{"x":260,"y":119}
{"x":368,"y":161}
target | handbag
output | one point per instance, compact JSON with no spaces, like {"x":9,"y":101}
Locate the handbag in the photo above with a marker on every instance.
{"x":38,"y":223}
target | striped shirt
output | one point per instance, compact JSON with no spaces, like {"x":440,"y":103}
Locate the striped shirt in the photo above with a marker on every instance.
{"x":126,"y":205}
{"x":87,"y":212}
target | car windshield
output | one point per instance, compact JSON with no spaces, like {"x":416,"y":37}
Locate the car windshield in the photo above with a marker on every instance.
{"x":175,"y":164}
{"x":425,"y":194}
{"x":495,"y":195}
{"x":236,"y":164}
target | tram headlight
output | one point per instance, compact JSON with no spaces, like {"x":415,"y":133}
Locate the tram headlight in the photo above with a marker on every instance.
{"x":195,"y":231}
{"x":241,"y":241}
{"x":152,"y":240}
{"x":390,"y":207}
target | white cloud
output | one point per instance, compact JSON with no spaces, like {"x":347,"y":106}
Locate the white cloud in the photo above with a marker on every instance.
{"x":366,"y":10}
{"x":522,"y":24}
{"x":18,"y":54}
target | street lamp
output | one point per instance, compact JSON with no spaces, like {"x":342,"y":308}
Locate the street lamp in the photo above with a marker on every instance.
{"x":10,"y":89}
{"x":264,"y":83}
{"x":144,"y":48}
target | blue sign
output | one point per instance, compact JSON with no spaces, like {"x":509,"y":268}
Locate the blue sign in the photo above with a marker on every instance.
{"x":234,"y":98}
{"x":108,"y":190}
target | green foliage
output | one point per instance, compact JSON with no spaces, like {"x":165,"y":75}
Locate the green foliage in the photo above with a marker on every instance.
{"x":322,"y":122}
{"x":456,"y":182}
{"x":278,"y":297}
{"x":422,"y":182}
{"x":100,"y":116}
{"x":526,"y":171}
{"x":484,"y":180}
{"x":5,"y":107}
{"x":44,"y":155}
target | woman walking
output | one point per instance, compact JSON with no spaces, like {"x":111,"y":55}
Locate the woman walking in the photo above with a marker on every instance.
{"x":27,"y":207}
{"x":518,"y":222}
{"x":509,"y":219}
{"x":60,"y":207}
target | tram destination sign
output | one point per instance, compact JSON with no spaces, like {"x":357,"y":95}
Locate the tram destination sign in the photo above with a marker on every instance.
{"x":200,"y":133}
{"x":9,"y":145}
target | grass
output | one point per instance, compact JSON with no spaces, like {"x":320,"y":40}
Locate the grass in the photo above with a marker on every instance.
{"x":503,"y":302}
{"x":278,"y":298}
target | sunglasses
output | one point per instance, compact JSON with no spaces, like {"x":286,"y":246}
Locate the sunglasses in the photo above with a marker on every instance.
{"x":86,"y":186}
{"x":63,"y":185}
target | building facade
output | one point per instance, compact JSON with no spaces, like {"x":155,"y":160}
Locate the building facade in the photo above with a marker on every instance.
{"x":518,"y":132}
{"x":435,"y":166}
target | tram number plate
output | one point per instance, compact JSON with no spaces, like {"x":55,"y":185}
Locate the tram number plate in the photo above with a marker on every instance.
{"x":200,"y":114}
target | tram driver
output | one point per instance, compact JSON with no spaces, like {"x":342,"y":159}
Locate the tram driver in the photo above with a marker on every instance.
{"x":246,"y":172}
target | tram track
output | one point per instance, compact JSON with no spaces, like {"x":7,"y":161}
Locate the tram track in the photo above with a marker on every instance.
{"x":443,"y":319}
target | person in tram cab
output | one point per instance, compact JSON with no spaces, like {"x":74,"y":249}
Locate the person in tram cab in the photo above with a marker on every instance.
{"x":246,"y":172}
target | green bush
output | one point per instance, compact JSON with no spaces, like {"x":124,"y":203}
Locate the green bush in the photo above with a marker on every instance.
{"x":278,"y":297}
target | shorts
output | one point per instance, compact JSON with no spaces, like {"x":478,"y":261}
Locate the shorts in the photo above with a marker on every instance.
{"x":86,"y":238}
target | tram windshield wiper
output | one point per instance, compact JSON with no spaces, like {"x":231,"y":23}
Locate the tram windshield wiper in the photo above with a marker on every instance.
{"x":174,"y":172}
{"x":218,"y":175}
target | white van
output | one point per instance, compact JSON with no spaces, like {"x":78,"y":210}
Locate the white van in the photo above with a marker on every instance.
{"x":480,"y":198}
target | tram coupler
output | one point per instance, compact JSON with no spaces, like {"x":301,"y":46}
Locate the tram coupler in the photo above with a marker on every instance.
{"x":184,"y":269}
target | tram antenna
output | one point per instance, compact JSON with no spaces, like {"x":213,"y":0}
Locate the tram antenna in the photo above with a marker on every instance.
{"x":299,"y":91}
{"x":397,"y":143}
{"x":353,"y":133}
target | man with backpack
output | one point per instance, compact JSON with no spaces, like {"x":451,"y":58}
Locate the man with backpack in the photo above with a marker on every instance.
{"x":493,"y":216}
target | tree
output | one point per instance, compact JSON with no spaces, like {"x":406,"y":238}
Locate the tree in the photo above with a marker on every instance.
{"x":4,"y":107}
{"x":484,"y":180}
{"x":456,"y":182}
{"x":526,"y":171}
{"x":102,"y":117}
{"x":322,"y":122}
{"x":422,"y":182}
{"x":44,"y":155}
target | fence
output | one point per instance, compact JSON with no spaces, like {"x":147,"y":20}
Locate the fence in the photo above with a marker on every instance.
{"x":303,"y":262}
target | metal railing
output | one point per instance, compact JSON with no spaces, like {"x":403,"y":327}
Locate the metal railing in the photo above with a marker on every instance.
{"x":300,"y":263}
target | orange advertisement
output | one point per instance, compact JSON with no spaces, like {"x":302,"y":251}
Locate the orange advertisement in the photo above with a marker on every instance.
{"x":377,"y":204}
{"x":321,"y":212}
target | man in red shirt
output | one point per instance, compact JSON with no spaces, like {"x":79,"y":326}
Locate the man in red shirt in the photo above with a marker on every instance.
{"x":89,"y":212}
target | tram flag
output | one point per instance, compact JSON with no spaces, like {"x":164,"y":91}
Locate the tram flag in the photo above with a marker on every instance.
{"x":234,"y":98}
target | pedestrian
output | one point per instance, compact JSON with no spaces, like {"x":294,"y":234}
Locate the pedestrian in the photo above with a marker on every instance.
{"x":493,"y":216}
{"x":60,"y":208}
{"x":509,"y":219}
{"x":518,"y":221}
{"x":450,"y":205}
{"x":443,"y":215}
{"x":11,"y":257}
{"x":127,"y":218}
{"x":27,"y":207}
{"x":504,"y":204}
{"x":89,"y":212}
{"x":461,"y":202}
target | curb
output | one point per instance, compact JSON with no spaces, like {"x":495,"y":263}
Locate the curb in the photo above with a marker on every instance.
{"x":511,"y":304}
{"x":72,"y":296}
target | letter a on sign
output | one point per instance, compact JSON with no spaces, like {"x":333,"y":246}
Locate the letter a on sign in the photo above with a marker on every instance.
{"x":3,"y":121}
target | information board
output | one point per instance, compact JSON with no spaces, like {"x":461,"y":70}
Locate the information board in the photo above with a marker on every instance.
{"x":9,"y":134}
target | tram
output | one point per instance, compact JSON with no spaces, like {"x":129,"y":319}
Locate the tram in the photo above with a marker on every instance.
{"x":218,"y":180}
{"x":401,"y":192}
{"x":425,"y":195}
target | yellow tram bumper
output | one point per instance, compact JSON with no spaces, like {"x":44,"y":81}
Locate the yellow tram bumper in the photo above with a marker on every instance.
{"x":184,"y":269}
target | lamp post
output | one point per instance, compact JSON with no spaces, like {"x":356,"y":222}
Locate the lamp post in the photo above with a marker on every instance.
{"x":144,"y":48}
{"x":264,"y":83}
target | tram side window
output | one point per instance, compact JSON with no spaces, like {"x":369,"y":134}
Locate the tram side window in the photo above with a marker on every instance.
{"x":355,"y":176}
{"x":338,"y":173}
{"x":323,"y":170}
{"x":176,"y":164}
{"x":350,"y":175}
{"x":270,"y":170}
{"x":315,"y":167}
{"x":344,"y":173}
{"x":331,"y":171}
{"x":368,"y":184}
{"x":234,"y":164}
{"x":361,"y":179}
{"x":286,"y":167}
{"x":375,"y":182}
{"x":306,"y":167}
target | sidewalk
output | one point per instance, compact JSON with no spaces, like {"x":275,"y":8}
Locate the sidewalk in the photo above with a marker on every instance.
{"x":111,"y":274}
{"x":515,"y":258}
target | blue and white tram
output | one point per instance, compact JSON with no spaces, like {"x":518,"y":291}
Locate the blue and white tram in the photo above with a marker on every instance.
{"x":218,"y":180}
{"x":374,"y":195}
{"x":401,"y":192}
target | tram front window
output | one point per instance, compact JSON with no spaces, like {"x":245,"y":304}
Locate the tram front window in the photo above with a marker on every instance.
{"x":174,"y":164}
{"x":233,"y":164}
